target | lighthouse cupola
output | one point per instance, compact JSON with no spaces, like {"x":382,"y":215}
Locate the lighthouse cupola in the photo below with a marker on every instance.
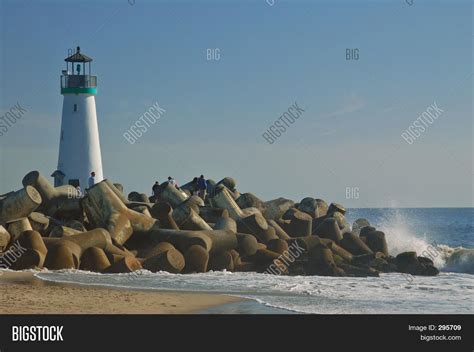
{"x":77,"y":77}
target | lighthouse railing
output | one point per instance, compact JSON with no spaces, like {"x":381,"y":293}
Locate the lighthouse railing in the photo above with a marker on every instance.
{"x":78,"y":81}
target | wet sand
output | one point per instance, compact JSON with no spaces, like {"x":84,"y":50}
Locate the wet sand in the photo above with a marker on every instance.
{"x":22,"y":293}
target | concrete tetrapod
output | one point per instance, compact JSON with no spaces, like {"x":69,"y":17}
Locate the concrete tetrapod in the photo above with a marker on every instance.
{"x":249,"y":220}
{"x":221,"y":261}
{"x":300,"y":224}
{"x":336,"y":249}
{"x":212,"y":240}
{"x":344,"y":254}
{"x":226,"y":223}
{"x":76,"y":225}
{"x":181,"y":239}
{"x":341,"y":221}
{"x":32,"y":239}
{"x":59,"y":201}
{"x":277,"y":245}
{"x":212,"y":215}
{"x":247,"y":200}
{"x":29,"y":259}
{"x":137,"y":197}
{"x":119,"y":187}
{"x":154,"y":249}
{"x":314,"y":207}
{"x":19,"y":204}
{"x":163,"y":212}
{"x":358,"y":225}
{"x":171,"y":261}
{"x":221,"y":240}
{"x":63,"y":255}
{"x":134,"y":205}
{"x":38,"y":221}
{"x":247,"y":245}
{"x":62,"y":231}
{"x":5,"y":238}
{"x":333,"y":207}
{"x":376,"y":241}
{"x":256,"y":225}
{"x":142,"y":209}
{"x":29,"y":252}
{"x":235,"y":257}
{"x":354,"y":245}
{"x":223,"y":199}
{"x":195,"y":203}
{"x":67,"y":251}
{"x":105,"y":209}
{"x":228,"y":182}
{"x":307,"y":242}
{"x":328,"y":228}
{"x":278,"y":230}
{"x":169,"y":193}
{"x":197,"y":259}
{"x":126,"y":264}
{"x":188,"y":219}
{"x":94,"y":259}
{"x":18,"y":227}
{"x":274,"y":209}
{"x":321,"y":262}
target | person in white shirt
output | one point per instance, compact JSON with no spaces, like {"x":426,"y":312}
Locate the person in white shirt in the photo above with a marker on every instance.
{"x":79,"y":192}
{"x":172,"y":181}
{"x":92,"y":179}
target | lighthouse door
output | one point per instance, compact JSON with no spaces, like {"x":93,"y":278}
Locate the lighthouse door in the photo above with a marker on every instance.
{"x":74,"y":182}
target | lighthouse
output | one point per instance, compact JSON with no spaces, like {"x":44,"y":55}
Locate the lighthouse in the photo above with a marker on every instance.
{"x":79,"y":146}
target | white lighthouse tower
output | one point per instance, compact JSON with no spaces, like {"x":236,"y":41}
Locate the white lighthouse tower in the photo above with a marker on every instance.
{"x":79,"y":146}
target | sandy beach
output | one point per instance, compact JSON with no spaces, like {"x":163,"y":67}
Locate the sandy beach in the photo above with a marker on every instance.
{"x":22,"y":293}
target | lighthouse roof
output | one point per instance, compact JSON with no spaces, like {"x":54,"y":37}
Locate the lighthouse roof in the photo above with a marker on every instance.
{"x":78,"y":57}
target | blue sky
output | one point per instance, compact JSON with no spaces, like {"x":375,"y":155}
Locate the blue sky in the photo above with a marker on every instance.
{"x":270,"y":57}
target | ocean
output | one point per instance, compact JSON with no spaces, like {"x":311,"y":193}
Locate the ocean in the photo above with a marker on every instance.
{"x":446,"y":234}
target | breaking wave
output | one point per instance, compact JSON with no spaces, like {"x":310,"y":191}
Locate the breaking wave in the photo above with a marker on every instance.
{"x":402,"y":237}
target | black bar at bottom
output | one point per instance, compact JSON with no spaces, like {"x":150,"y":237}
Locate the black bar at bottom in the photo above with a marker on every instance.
{"x":243,"y":332}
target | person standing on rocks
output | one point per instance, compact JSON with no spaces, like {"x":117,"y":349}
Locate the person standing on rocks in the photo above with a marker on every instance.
{"x":92,"y":179}
{"x":209,"y":188}
{"x":202,"y":187}
{"x":195,"y":187}
{"x":173,"y":182}
{"x":155,"y":190}
{"x":79,"y":191}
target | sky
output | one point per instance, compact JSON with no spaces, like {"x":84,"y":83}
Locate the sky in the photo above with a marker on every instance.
{"x":346,"y":146}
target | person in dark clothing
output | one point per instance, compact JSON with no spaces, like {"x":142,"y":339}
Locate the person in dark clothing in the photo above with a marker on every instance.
{"x":202,"y":187}
{"x":209,"y":188}
{"x":155,"y":189}
{"x":194,"y":187}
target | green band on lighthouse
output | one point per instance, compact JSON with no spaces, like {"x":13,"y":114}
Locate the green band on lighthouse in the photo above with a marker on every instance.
{"x":79,"y":90}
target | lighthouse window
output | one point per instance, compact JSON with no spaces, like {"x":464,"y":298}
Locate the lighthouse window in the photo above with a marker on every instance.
{"x":75,"y":107}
